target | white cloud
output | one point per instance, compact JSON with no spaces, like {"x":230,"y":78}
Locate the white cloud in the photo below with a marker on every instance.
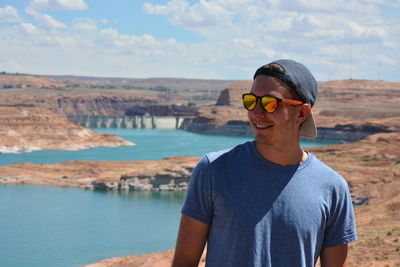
{"x":330,"y":50}
{"x":243,"y":43}
{"x":84,"y":24}
{"x":28,"y":28}
{"x":57,"y":5}
{"x":236,"y":37}
{"x":244,"y":32}
{"x":202,"y":14}
{"x":112,"y":42}
{"x":57,"y":41}
{"x":175,"y":45}
{"x":27,"y":35}
{"x":49,"y":21}
{"x":9,"y":14}
{"x":328,"y":6}
{"x":104,"y":21}
{"x":268,"y":53}
{"x":394,"y":3}
{"x":358,"y":30}
{"x":172,"y":7}
{"x":109,"y":33}
{"x":389,"y":44}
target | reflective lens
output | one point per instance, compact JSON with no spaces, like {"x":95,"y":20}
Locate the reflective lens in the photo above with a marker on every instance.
{"x":268,"y":103}
{"x":249,"y":101}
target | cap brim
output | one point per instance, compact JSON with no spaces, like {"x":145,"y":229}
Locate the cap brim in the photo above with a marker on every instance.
{"x":308,"y":128}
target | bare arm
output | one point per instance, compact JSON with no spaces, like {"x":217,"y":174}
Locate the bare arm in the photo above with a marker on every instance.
{"x":192,"y":238}
{"x":334,"y":256}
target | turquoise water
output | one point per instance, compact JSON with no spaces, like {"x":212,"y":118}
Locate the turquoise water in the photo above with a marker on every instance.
{"x":44,"y":226}
{"x":150,"y":144}
{"x":54,"y":226}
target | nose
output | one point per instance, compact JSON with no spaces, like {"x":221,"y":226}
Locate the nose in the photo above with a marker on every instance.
{"x":258,"y":110}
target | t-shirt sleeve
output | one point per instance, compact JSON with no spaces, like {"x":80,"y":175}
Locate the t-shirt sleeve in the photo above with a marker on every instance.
{"x":341,"y":227}
{"x":198,"y":203}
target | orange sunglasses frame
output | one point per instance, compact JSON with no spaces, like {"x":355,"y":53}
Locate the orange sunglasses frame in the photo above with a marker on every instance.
{"x":278,"y":100}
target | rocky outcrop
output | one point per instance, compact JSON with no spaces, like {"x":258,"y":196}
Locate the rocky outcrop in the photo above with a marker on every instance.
{"x":174,"y":178}
{"x":119,"y":106}
{"x":232,"y":96}
{"x":355,"y":131}
{"x":100,"y":105}
{"x":231,"y":128}
{"x":152,"y":175}
{"x":25,"y":129}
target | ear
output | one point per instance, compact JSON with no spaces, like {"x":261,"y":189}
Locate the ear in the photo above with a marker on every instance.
{"x":304,"y":112}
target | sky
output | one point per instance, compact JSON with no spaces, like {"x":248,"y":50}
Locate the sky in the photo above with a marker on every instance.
{"x":206,"y":39}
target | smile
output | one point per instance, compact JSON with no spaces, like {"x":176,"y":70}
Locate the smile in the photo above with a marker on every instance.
{"x":262,"y":126}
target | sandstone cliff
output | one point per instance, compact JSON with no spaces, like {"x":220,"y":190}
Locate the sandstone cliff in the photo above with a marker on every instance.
{"x":84,"y":101}
{"x":25,"y":129}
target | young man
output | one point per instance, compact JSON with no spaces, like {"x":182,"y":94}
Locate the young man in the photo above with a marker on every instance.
{"x":269,"y":202}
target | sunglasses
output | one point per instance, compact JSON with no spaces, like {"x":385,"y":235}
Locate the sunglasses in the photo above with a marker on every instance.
{"x":268,"y":103}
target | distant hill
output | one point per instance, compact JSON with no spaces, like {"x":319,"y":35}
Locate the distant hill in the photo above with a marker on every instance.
{"x":9,"y":81}
{"x":148,"y":83}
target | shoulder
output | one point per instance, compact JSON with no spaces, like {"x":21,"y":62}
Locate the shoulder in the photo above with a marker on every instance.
{"x":219,"y":160}
{"x":215,"y":158}
{"x":325,"y":174}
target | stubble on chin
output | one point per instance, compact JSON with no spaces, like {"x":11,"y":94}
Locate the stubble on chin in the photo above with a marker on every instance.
{"x":263,"y":140}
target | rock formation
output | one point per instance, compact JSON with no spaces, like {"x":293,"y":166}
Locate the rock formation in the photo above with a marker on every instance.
{"x":25,"y":129}
{"x":232,"y":95}
{"x":118,"y":106}
{"x":168,"y":174}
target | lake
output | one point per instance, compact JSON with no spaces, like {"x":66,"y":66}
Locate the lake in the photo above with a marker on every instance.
{"x":44,"y":226}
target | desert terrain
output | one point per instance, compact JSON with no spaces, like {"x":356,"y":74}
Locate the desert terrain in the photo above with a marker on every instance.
{"x":26,"y":129}
{"x":371,"y":166}
{"x":366,"y":112}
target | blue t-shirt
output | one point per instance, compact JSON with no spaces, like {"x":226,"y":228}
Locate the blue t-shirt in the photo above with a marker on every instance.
{"x":264,"y":214}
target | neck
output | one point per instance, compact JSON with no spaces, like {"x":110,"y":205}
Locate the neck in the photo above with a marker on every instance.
{"x":283,"y":155}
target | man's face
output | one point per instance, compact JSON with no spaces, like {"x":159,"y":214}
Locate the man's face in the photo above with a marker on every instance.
{"x":279,"y":127}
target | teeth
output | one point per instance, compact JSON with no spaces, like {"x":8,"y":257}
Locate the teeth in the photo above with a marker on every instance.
{"x":261,"y":126}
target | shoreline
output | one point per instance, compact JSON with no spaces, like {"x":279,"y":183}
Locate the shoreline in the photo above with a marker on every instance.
{"x":168,"y":174}
{"x":341,"y":134}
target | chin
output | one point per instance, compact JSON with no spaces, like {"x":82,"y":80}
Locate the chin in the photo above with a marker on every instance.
{"x":263,"y":139}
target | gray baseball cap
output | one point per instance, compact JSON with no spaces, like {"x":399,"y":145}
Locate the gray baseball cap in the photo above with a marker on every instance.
{"x":301,"y":80}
